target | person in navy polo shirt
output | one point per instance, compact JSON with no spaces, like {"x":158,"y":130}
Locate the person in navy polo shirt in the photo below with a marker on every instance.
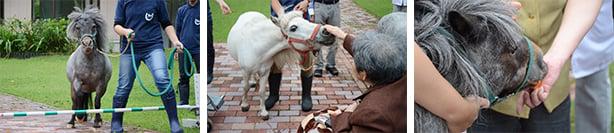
{"x":141,"y":22}
{"x":187,"y":26}
{"x":280,"y":7}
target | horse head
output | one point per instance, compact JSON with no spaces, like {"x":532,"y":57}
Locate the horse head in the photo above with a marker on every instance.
{"x":495,"y":45}
{"x":300,"y":31}
{"x":86,"y":26}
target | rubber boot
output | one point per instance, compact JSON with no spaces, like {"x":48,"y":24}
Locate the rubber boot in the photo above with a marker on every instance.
{"x":306,"y":103}
{"x":118,"y":117}
{"x":171,"y":111}
{"x":274,"y":83}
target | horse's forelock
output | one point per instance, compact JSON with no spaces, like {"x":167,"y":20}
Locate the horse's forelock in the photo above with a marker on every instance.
{"x":90,"y":12}
{"x":287,"y":17}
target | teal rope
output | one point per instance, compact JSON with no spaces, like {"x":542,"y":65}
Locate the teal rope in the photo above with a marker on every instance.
{"x":171,"y":64}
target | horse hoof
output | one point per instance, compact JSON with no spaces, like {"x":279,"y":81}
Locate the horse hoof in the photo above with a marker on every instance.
{"x":245,"y":109}
{"x":97,"y":124}
{"x":70,"y":125}
{"x":266,"y":117}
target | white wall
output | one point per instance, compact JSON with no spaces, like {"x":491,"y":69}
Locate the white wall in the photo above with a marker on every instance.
{"x":21,"y":9}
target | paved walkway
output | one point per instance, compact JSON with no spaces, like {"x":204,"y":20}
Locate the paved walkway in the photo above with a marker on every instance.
{"x":286,"y":115}
{"x":38,"y":124}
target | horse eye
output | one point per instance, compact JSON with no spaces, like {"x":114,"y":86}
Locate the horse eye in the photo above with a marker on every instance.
{"x":293,"y":28}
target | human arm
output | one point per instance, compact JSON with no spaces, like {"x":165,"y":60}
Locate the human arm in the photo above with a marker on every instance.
{"x":435,"y":94}
{"x":578,"y":18}
{"x":302,"y":6}
{"x":277,"y":8}
{"x":224,"y":7}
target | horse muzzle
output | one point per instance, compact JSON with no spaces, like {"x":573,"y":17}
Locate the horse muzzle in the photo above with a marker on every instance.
{"x":325,"y":38}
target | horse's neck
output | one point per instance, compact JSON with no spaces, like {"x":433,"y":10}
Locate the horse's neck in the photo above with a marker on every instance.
{"x":280,"y":46}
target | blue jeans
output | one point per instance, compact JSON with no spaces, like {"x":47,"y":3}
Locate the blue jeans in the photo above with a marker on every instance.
{"x":156,"y":62}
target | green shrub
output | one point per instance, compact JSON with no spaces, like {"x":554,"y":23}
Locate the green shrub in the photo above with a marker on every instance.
{"x":41,"y":36}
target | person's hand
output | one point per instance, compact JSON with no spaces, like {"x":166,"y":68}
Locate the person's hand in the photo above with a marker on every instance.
{"x":224,"y":7}
{"x":535,"y":96}
{"x":335,"y":31}
{"x":477,"y":103}
{"x":129,"y":34}
{"x":179,"y":46}
{"x":352,"y":107}
{"x":334,"y":113}
{"x":517,"y":5}
{"x":302,"y":6}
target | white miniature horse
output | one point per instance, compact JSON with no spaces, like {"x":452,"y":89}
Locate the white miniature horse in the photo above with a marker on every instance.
{"x":257,"y":43}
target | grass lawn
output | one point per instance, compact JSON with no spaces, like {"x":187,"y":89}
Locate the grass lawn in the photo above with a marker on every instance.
{"x":223,"y":23}
{"x":43,"y":79}
{"x":380,"y":9}
{"x":573,"y":125}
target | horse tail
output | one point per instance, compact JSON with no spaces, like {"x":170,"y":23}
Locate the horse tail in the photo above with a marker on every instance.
{"x":89,"y":102}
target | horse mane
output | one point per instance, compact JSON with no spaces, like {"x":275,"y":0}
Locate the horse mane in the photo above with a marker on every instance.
{"x":93,"y":12}
{"x":443,"y":49}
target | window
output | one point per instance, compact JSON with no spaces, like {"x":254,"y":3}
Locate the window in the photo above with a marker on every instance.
{"x":43,"y":9}
{"x":172,"y":6}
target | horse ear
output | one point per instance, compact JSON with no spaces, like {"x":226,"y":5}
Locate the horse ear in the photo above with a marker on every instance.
{"x":462,"y":25}
{"x":275,"y":21}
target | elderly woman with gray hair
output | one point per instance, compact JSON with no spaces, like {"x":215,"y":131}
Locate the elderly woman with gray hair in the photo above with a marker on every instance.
{"x":380,"y":60}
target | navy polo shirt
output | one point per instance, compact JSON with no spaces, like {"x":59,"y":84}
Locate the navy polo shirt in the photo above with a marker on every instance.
{"x":289,"y":6}
{"x":146,"y":18}
{"x":187,"y":27}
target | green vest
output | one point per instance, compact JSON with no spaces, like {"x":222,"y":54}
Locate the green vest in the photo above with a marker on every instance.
{"x":540,"y":21}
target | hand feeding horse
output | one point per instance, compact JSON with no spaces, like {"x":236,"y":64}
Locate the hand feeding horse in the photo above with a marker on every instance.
{"x":478,"y":48}
{"x":88,"y":70}
{"x":257,"y":43}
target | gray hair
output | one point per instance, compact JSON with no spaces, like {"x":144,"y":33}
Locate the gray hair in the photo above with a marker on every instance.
{"x":380,"y":57}
{"x":395,"y":25}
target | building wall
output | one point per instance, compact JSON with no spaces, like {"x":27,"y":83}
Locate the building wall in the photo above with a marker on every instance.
{"x":21,"y":9}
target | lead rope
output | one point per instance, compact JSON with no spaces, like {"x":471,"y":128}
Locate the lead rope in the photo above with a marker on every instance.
{"x":170,"y":67}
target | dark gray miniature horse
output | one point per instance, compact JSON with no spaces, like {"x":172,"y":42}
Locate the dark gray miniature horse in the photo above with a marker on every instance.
{"x":88,"y":70}
{"x":477,"y":47}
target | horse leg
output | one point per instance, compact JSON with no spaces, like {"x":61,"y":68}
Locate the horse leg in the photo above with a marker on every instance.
{"x":75,"y":101}
{"x":264,"y":114}
{"x":84,"y":98}
{"x":99,"y":93}
{"x":244,"y":104}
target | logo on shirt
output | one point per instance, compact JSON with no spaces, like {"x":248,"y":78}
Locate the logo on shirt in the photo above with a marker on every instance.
{"x":196,"y":22}
{"x":149,"y":16}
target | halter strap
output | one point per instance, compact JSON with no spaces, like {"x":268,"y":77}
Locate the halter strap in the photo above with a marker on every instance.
{"x":304,"y":53}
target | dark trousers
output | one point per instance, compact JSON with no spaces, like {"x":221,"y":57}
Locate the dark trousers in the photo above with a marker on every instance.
{"x":539,"y":121}
{"x":184,"y":79}
{"x":210,"y":51}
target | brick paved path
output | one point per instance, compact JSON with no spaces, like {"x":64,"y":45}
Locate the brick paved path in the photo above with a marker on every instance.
{"x":286,"y":115}
{"x":39,"y":124}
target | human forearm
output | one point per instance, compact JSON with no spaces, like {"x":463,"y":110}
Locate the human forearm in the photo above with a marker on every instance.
{"x":578,"y":18}
{"x":436,"y":95}
{"x":276,"y":6}
{"x":170,"y":32}
{"x":120,"y":30}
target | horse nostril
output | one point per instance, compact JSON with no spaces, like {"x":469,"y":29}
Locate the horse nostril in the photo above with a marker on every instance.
{"x":326,"y":32}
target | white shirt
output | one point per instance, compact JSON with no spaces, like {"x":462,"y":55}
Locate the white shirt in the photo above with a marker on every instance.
{"x":399,"y":2}
{"x":596,"y":51}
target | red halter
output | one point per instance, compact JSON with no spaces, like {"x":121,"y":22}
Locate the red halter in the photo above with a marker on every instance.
{"x":304,"y":53}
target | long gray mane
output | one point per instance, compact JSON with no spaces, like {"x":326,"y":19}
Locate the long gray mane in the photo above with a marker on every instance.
{"x":89,"y":12}
{"x":445,"y":48}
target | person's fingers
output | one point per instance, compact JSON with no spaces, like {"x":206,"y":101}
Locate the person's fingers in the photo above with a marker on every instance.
{"x":535,"y":98}
{"x":483,"y":102}
{"x":520,"y":102}
{"x":527,"y":99}
{"x":517,"y":5}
